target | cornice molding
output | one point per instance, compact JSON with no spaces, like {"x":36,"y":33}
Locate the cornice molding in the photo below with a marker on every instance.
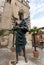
{"x":24,"y":4}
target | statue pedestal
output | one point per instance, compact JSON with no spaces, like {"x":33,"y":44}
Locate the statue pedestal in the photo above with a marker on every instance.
{"x":22,"y":62}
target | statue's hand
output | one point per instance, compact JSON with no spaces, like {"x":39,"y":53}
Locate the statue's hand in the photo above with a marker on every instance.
{"x":17,"y":27}
{"x":22,"y":28}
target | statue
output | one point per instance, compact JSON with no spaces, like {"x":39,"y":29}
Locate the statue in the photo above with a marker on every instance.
{"x":21,"y":29}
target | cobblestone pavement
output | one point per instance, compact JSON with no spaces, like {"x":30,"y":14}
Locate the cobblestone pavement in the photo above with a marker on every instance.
{"x":6,"y":55}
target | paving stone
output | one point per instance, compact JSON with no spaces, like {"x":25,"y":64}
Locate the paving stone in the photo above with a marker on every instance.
{"x":6,"y":56}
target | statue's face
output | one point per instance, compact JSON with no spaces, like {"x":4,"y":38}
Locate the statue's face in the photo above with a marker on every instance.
{"x":21,"y":16}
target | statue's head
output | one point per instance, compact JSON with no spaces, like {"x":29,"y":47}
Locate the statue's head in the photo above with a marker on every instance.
{"x":21,"y":14}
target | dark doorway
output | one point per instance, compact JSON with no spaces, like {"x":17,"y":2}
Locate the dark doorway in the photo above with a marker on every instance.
{"x":9,"y":1}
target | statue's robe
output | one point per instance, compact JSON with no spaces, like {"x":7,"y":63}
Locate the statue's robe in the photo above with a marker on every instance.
{"x":20,"y":36}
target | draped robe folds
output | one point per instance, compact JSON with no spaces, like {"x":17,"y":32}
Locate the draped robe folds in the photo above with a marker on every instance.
{"x":20,"y":36}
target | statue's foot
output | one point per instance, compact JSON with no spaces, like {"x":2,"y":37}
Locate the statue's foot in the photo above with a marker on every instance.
{"x":26,"y":60}
{"x":13,"y":62}
{"x":16,"y":61}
